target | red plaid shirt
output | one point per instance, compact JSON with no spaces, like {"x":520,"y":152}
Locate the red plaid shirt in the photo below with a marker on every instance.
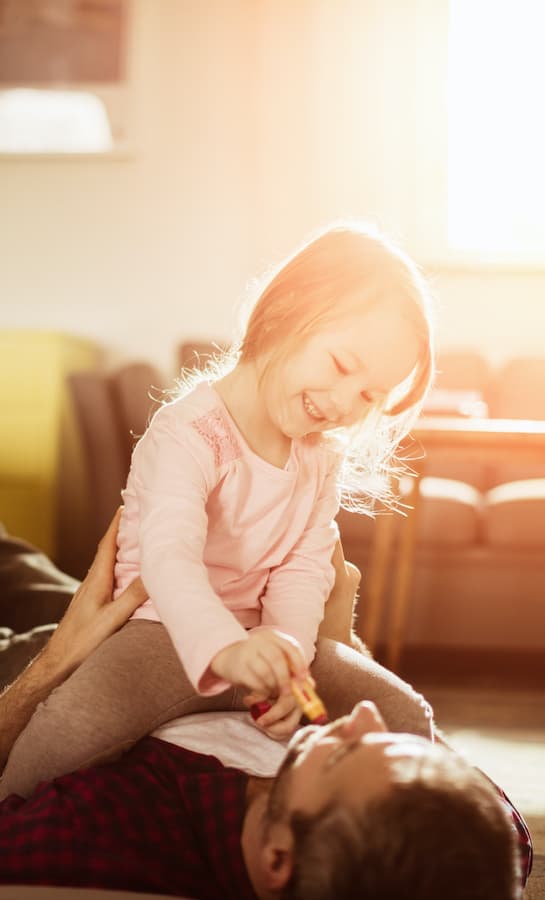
{"x":524,"y":839}
{"x":163,"y":820}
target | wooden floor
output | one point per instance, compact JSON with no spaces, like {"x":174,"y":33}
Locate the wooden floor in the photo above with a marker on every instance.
{"x":501,"y":730}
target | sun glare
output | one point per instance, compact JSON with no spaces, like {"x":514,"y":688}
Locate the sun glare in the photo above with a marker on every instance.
{"x":496,"y":142}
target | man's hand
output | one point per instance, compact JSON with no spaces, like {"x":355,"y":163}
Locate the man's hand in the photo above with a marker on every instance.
{"x":264,"y":662}
{"x":92,"y":615}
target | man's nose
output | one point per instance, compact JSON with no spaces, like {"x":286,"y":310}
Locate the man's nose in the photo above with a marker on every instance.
{"x":364,"y":719}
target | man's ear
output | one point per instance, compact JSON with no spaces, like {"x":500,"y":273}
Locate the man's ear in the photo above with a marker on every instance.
{"x":277,"y":857}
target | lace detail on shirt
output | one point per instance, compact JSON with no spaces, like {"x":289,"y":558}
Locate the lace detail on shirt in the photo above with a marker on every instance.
{"x":213,"y":428}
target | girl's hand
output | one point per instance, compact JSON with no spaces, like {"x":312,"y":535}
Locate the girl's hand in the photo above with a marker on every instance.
{"x":281,"y":720}
{"x":264,"y":662}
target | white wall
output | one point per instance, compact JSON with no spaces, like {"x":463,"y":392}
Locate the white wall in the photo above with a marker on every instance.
{"x":140,"y":252}
{"x":353,"y":123}
{"x":500,"y":314}
{"x":253,"y":121}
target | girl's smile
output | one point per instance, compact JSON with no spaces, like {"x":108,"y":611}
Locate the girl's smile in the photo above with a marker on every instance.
{"x":332,"y":378}
{"x":312,"y":411}
{"x":329,"y":380}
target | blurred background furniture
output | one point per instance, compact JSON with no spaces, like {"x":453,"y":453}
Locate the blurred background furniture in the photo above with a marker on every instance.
{"x":476,"y":579}
{"x":518,"y":443}
{"x":113,"y":410}
{"x":477,"y":574}
{"x":37,"y":429}
{"x":475,"y":584}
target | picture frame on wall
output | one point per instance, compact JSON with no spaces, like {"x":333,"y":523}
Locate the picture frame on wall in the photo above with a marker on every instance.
{"x":47,"y":42}
{"x":63,"y":76}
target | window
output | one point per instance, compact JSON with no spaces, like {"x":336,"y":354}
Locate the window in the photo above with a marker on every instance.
{"x":34,"y":121}
{"x":496,"y":129}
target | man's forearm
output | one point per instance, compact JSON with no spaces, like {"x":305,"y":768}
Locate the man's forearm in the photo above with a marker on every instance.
{"x":89,"y":620}
{"x":340,"y":606}
{"x":20,"y":699}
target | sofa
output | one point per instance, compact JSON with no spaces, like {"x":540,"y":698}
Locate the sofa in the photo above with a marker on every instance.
{"x":477,"y":597}
{"x":479,"y":579}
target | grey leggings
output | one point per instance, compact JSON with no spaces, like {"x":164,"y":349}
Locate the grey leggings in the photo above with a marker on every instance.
{"x":135,"y":682}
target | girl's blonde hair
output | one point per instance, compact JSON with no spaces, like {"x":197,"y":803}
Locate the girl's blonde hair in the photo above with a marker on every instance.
{"x":348,"y":267}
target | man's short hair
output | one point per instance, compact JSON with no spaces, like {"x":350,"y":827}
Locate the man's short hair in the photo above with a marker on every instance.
{"x":440,"y":835}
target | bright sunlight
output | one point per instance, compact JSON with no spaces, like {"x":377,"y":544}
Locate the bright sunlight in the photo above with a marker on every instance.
{"x":496,"y":144}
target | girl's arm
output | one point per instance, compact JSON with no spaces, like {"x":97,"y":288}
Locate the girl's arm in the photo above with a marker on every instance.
{"x":173,"y":473}
{"x":297,"y":590}
{"x":337,"y":625}
{"x":176,"y":467}
{"x":91,"y":617}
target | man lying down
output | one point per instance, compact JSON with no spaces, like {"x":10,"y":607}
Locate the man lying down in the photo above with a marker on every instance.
{"x":355,"y":811}
{"x":210,"y":807}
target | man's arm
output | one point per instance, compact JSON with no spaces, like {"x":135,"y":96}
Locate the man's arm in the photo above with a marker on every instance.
{"x":340,"y":609}
{"x":91,"y":617}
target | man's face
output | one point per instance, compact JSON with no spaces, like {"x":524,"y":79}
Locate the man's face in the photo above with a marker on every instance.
{"x":348,"y":762}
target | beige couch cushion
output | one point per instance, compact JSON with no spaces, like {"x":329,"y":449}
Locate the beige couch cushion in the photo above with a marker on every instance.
{"x":514,"y":513}
{"x":449,"y":512}
{"x":463,"y":370}
{"x":518,"y":392}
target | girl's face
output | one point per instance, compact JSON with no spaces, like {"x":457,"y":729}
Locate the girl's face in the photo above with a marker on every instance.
{"x":333,"y":377}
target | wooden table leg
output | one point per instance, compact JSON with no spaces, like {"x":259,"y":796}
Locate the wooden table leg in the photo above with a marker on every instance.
{"x":403,"y":579}
{"x":368,"y":623}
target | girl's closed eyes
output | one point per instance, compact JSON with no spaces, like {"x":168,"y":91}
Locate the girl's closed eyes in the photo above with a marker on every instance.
{"x":342,"y":370}
{"x":338,"y":365}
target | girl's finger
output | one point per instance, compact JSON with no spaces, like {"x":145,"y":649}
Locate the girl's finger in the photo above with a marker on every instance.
{"x":282,"y":707}
{"x":278,"y":665}
{"x":254,"y":697}
{"x":250,"y":681}
{"x":297,"y":663}
{"x":261,"y":665}
{"x":266,"y":683}
{"x":258,"y":676}
{"x":282,"y":729}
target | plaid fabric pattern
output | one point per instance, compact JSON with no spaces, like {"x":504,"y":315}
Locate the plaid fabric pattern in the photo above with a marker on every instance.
{"x":526,"y":851}
{"x":524,"y":838}
{"x":163,"y":819}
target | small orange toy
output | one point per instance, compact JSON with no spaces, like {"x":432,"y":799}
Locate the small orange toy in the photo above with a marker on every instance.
{"x":308,"y":700}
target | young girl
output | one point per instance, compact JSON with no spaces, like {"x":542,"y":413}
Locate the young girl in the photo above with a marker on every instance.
{"x":230,"y":504}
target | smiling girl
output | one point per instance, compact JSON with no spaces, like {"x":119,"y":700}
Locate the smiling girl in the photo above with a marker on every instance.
{"x":230,"y":505}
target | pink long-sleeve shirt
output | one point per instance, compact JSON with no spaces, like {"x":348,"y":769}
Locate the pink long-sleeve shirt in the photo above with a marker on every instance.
{"x":224,"y":541}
